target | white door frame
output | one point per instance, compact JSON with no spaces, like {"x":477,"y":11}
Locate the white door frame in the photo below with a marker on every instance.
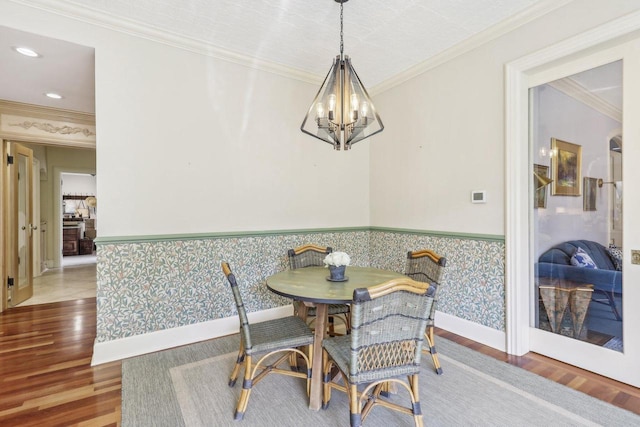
{"x":519,"y":245}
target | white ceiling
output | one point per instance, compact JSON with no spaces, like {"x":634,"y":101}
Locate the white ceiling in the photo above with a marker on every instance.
{"x":63,"y":67}
{"x":383,"y":37}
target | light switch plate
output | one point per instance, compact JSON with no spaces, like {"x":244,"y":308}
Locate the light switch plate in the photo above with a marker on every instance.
{"x":635,"y":256}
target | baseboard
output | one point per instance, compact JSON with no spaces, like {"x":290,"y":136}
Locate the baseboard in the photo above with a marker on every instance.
{"x":473,"y":331}
{"x":104,"y":352}
{"x":109,"y":351}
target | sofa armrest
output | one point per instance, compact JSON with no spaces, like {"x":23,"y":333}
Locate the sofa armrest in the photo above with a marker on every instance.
{"x":601,"y":279}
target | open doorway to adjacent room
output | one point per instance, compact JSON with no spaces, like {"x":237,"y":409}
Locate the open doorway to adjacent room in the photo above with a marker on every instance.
{"x":47,"y":99}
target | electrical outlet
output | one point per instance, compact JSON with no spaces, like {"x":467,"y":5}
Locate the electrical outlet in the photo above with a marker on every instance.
{"x":635,"y":256}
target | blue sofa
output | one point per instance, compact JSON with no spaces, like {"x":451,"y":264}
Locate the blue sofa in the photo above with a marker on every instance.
{"x":606,"y":280}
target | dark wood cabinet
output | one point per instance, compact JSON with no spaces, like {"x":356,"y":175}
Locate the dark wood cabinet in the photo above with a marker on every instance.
{"x":86,"y":247}
{"x":70,"y":239}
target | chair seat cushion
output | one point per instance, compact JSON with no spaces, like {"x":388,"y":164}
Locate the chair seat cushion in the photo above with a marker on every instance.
{"x":286,"y":332}
{"x":339,"y":349}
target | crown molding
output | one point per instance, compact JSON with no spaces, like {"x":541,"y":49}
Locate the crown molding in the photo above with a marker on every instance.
{"x":534,"y":12}
{"x":80,"y":12}
{"x":83,"y":13}
{"x":580,"y":93}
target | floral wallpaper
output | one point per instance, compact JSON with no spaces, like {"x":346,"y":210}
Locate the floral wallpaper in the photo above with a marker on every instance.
{"x":149,"y":286}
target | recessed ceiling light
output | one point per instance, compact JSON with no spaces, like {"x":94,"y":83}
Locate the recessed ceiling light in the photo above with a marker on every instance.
{"x":27,"y":52}
{"x":54,"y":95}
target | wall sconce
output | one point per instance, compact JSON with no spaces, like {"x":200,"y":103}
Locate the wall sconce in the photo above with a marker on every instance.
{"x":541,"y":181}
{"x":617,"y":185}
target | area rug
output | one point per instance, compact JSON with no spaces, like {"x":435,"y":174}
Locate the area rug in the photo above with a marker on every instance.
{"x":614,"y":343}
{"x":187,"y":386}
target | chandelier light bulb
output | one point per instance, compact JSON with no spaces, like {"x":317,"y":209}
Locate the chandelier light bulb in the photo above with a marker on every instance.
{"x":332,"y":106}
{"x":365,"y":109}
{"x":354,"y":102}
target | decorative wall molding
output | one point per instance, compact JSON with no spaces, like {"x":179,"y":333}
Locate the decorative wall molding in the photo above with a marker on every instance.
{"x":50,"y":127}
{"x":580,"y":93}
{"x":32,"y":123}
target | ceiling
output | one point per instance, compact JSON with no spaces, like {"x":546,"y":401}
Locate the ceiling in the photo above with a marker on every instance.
{"x":383,"y":37}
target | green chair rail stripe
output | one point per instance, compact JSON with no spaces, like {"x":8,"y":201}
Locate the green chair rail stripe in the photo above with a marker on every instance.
{"x":446,"y":234}
{"x":109,"y":240}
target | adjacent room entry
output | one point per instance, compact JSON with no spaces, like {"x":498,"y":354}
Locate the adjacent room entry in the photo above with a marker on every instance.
{"x":569,"y":150}
{"x":577,"y":200}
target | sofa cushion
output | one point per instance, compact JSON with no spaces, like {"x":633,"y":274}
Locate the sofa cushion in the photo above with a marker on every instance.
{"x":562,"y":253}
{"x":616,"y":256}
{"x":582,"y":259}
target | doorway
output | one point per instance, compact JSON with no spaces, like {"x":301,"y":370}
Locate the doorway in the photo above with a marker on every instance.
{"x":604,"y":45}
{"x":58,"y":282}
{"x":578,"y":283}
{"x":79,"y":218}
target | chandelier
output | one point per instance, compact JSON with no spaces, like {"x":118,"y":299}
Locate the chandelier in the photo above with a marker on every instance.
{"x":342,"y":112}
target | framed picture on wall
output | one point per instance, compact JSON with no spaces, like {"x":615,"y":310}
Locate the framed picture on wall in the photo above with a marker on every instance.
{"x":540,"y":181}
{"x":589,"y":197}
{"x":566,"y":166}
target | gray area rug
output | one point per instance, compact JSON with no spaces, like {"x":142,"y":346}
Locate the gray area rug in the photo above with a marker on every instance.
{"x":614,"y":343}
{"x":187,"y":386}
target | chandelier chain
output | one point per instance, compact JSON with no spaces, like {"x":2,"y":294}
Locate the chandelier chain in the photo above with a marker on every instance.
{"x":341,"y":31}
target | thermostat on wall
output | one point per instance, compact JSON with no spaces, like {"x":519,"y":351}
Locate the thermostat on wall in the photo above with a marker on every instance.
{"x":478,"y":196}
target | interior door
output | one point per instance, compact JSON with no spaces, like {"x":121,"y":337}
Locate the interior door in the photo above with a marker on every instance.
{"x":576,"y":206}
{"x":19,"y":252}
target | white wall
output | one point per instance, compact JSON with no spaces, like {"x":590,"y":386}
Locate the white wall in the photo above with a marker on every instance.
{"x":444,"y":130}
{"x":206,"y":145}
{"x":562,"y":117}
{"x":78,"y":184}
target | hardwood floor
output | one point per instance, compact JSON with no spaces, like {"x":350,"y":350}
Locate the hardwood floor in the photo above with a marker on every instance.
{"x":46,"y":378}
{"x":45,"y":373}
{"x":606,"y":389}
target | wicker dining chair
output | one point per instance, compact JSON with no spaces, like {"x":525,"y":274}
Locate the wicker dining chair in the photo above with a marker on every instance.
{"x":385,"y":345}
{"x":313,"y":256}
{"x":427,"y":266}
{"x":284,"y":335}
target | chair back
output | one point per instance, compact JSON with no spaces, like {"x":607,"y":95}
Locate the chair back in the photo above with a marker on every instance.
{"x":387,"y":329}
{"x":308,"y":256}
{"x":425,"y":266}
{"x":242,"y":313}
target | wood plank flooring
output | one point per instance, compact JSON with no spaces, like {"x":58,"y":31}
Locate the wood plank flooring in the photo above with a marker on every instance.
{"x":46,"y":378}
{"x":45,"y":373}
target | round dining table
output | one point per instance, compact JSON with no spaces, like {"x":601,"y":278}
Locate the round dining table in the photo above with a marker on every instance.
{"x":312,"y":286}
